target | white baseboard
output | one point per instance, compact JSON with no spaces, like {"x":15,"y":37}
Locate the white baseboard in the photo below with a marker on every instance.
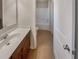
{"x":43,"y":27}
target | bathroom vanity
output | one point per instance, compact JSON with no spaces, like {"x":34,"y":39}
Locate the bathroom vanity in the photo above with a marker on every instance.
{"x":18,"y":44}
{"x":17,"y":21}
{"x":23,"y":49}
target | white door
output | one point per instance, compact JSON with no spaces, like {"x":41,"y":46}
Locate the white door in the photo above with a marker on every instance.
{"x":64,"y":22}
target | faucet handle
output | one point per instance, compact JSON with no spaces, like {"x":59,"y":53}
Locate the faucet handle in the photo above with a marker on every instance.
{"x":3,"y":36}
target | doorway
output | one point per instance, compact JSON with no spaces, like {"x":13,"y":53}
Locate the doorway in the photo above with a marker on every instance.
{"x":55,"y":16}
{"x":44,"y":33}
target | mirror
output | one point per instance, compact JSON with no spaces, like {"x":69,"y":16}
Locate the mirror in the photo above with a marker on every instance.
{"x":7,"y":13}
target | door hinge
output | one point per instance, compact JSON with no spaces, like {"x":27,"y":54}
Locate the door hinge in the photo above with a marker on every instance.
{"x":73,"y":52}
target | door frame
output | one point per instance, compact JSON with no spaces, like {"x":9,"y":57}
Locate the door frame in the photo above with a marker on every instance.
{"x":76,"y":29}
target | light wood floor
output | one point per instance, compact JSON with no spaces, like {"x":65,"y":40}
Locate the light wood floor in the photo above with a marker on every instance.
{"x":44,"y":50}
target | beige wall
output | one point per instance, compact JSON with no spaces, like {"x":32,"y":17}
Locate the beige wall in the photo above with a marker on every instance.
{"x":25,"y":11}
{"x":27,"y":17}
{"x":42,"y":15}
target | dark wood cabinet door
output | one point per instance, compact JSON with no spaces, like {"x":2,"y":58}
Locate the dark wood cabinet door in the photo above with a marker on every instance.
{"x":17,"y":56}
{"x":26,"y":49}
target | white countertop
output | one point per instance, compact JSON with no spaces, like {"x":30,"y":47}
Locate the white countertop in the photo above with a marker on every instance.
{"x":7,"y":50}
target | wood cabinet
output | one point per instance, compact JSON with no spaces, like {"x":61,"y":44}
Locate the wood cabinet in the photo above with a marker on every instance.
{"x":23,"y":49}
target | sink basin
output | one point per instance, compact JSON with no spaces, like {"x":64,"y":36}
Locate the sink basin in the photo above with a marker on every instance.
{"x":12,"y":36}
{"x":9,"y":37}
